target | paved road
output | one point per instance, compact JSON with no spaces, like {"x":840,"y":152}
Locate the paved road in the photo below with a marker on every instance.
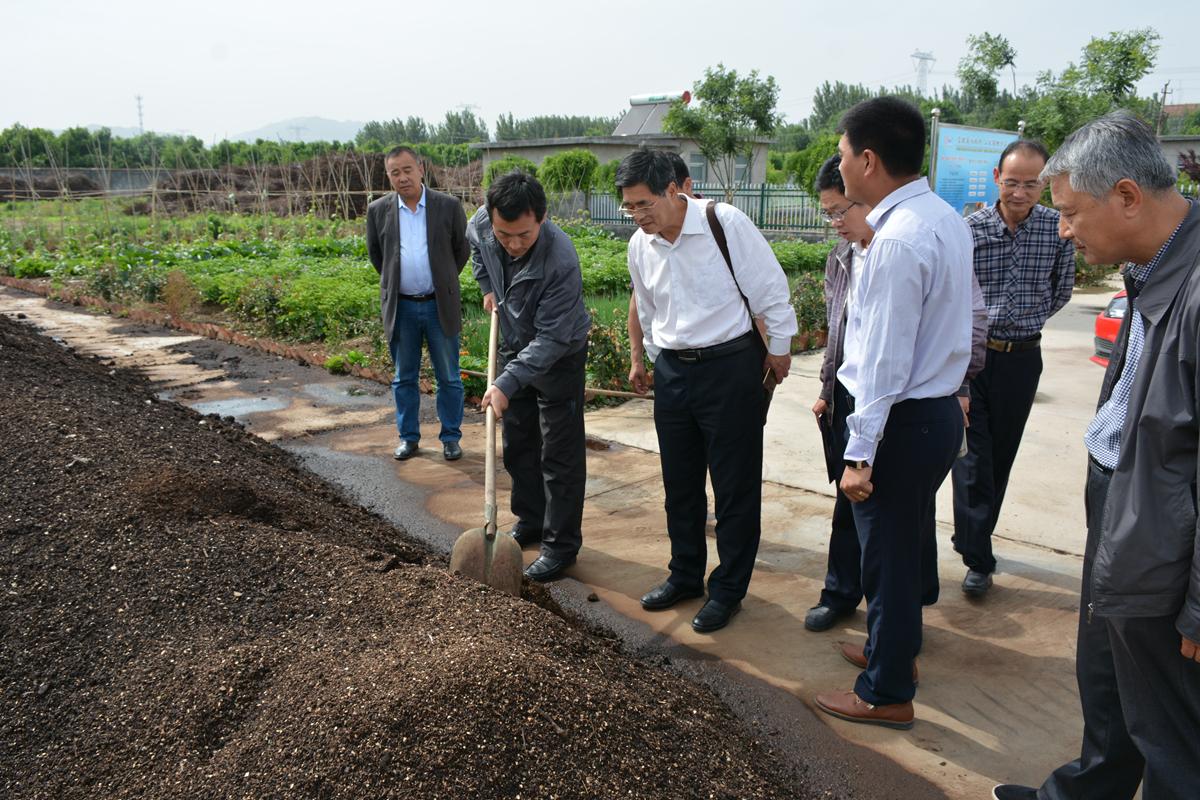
{"x":997,"y":698}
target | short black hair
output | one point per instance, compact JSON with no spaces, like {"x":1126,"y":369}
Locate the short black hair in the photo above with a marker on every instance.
{"x":891,"y":128}
{"x":829,"y":176}
{"x":651,"y":167}
{"x":402,"y":149}
{"x":681,"y":170}
{"x":1028,"y":145}
{"x":515,"y":193}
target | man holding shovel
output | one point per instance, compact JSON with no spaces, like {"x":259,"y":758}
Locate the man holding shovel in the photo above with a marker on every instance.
{"x":528,"y":271}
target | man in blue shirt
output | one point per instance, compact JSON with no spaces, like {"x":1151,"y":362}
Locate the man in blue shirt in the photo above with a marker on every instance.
{"x":907,"y":348}
{"x":1026,"y":273}
{"x":416,"y":239}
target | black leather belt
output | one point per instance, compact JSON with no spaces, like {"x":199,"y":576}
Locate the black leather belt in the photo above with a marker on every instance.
{"x":1098,"y":465}
{"x":717,"y":350}
{"x":1005,"y":346}
{"x":418,"y":298}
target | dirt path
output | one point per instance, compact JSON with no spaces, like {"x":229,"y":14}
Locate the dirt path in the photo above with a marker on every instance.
{"x":190,"y":613}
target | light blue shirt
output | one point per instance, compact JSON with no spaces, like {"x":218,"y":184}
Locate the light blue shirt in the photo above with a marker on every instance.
{"x":908,"y":333}
{"x":416,"y":277}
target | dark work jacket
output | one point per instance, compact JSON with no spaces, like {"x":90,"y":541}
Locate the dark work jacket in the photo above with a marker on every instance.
{"x":445,"y":230}
{"x":1147,"y":561}
{"x":542,"y":315}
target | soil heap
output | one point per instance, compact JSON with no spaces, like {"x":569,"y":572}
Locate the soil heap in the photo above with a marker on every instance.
{"x":187,"y":613}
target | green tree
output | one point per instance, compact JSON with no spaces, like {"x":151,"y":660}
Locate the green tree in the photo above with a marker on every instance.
{"x":508,"y":164}
{"x":413,"y":130}
{"x":1112,"y":66}
{"x":459,"y":127}
{"x":569,"y":171}
{"x":802,"y":165}
{"x":987,"y":54}
{"x":831,"y":100}
{"x":552,"y":126}
{"x":732,"y":113}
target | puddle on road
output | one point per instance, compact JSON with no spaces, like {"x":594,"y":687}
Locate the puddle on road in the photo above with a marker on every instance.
{"x":345,"y":394}
{"x":241,"y":406}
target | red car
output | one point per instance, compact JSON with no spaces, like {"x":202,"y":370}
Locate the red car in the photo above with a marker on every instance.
{"x":1108,"y":322}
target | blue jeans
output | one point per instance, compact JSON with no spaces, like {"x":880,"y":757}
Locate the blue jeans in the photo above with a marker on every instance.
{"x":417,"y":320}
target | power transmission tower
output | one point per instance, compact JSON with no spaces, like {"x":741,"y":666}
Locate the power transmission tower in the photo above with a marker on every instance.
{"x":141,"y":126}
{"x":295,"y":129}
{"x":922,"y":60}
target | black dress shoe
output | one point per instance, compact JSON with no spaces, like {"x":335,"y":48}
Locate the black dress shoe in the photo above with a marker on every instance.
{"x":405,"y":451}
{"x":666,"y":595}
{"x":525,"y":536}
{"x":547,"y":568}
{"x":822,"y":618}
{"x":452,"y":451}
{"x":1011,"y":791}
{"x":976,"y":583}
{"x":714,"y":616}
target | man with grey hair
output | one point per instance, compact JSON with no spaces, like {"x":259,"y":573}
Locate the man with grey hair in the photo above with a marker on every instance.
{"x":1138,"y":654}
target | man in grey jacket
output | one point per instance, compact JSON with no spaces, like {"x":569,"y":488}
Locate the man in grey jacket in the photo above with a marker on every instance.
{"x":1138,"y":655}
{"x":529,"y":272}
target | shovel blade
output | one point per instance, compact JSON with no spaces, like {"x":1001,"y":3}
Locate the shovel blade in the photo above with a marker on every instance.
{"x":496,"y":562}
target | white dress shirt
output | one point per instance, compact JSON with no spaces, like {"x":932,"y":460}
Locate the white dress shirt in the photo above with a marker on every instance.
{"x":908,"y":334}
{"x":686,"y":297}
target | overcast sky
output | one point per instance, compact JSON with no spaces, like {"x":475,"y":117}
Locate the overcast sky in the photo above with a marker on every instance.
{"x":221,"y":67}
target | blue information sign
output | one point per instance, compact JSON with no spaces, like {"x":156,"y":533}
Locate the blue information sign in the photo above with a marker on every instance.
{"x":963,"y":162}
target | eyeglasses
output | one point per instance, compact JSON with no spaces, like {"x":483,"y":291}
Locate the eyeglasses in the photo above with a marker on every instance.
{"x":1029,"y":186}
{"x":637,"y":209}
{"x":836,"y":216}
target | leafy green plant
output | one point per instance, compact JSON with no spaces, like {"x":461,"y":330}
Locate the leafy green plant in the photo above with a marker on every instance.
{"x":568,"y":171}
{"x":505,"y":165}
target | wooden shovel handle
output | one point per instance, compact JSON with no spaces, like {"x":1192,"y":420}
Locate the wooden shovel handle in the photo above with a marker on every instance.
{"x":489,"y":475}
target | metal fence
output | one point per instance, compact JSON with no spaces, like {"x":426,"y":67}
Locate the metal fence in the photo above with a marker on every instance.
{"x":772,"y":207}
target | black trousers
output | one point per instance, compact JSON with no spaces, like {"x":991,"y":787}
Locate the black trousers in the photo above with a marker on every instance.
{"x":1001,"y":398}
{"x":708,"y":416}
{"x":1160,"y":697}
{"x":1109,"y":766}
{"x":546,"y":456}
{"x":843,"y":572}
{"x":919,"y":445}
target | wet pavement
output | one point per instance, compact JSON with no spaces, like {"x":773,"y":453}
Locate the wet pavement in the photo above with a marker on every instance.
{"x":997,"y":700}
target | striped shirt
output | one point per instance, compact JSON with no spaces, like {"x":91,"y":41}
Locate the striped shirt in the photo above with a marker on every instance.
{"x":1026,"y":275}
{"x":1103,"y":437}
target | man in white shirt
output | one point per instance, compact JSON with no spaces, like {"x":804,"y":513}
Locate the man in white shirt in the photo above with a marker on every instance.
{"x":908,"y":344}
{"x":695,"y":309}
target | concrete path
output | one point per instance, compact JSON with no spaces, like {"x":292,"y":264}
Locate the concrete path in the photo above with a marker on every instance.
{"x":997,"y":700}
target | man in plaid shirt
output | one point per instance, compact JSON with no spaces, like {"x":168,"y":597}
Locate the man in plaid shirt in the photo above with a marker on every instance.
{"x":1026,"y":273}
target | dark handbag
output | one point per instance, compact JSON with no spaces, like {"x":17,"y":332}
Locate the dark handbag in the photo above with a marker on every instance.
{"x":768,"y":381}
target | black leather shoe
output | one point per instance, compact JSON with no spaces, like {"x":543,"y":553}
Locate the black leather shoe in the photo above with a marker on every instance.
{"x":547,"y":568}
{"x":714,"y":616}
{"x":452,"y":451}
{"x":1010,"y":791}
{"x":822,"y":618}
{"x":405,"y":451}
{"x":525,"y":536}
{"x":666,"y":595}
{"x":976,"y":583}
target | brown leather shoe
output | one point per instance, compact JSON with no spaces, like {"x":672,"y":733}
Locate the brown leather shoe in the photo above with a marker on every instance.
{"x":855,"y":655}
{"x":852,"y":708}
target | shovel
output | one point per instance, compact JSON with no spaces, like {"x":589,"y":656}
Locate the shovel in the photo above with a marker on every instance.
{"x":480,"y":553}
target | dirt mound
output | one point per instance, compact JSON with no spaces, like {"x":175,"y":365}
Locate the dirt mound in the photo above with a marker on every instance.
{"x":188,"y":614}
{"x":28,"y":188}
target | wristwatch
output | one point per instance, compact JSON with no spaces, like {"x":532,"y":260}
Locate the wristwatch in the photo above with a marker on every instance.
{"x":856,"y":464}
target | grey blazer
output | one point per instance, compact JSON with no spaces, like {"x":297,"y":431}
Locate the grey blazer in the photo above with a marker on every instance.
{"x":445,"y":227}
{"x":1148,"y":557}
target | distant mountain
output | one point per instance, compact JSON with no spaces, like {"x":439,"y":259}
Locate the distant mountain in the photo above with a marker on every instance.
{"x":118,"y":133}
{"x":304,"y":129}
